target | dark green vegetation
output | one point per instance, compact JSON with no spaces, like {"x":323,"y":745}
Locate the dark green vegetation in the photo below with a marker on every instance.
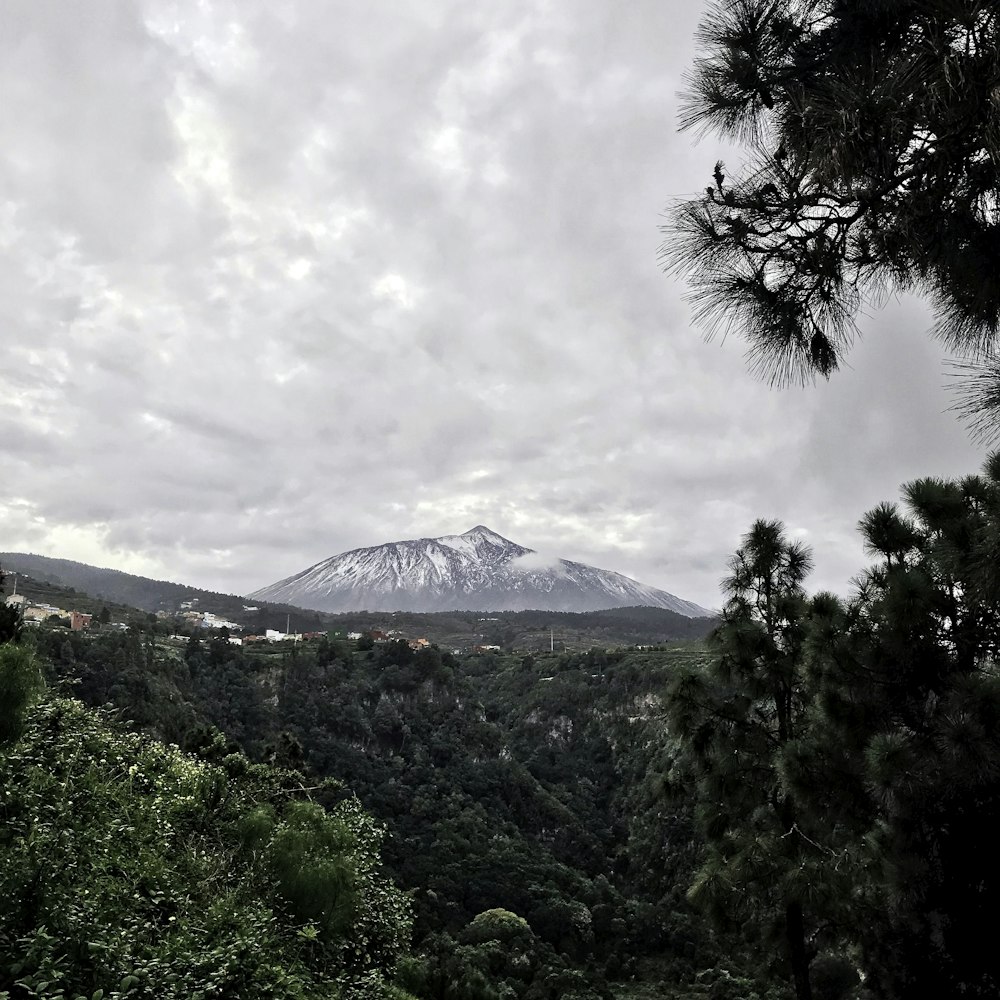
{"x":846,"y":753}
{"x":510,"y":785}
{"x":130,"y":869}
{"x":534,"y":631}
{"x":871,"y":130}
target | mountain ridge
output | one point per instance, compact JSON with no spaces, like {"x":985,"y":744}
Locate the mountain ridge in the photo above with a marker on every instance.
{"x":478,"y":570}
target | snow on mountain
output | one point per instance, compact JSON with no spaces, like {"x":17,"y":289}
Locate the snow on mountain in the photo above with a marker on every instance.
{"x":475,"y":571}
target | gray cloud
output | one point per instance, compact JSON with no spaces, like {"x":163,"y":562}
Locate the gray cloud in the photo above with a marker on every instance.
{"x":280,"y":280}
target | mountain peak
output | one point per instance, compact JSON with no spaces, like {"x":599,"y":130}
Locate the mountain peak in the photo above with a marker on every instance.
{"x":478,"y":570}
{"x":481,"y":531}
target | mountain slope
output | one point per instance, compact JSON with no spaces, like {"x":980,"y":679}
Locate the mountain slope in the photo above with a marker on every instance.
{"x":146,"y":594}
{"x":476,"y":571}
{"x":116,"y":585}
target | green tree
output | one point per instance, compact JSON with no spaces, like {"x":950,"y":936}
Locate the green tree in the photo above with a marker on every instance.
{"x":907,"y":736}
{"x":130,"y":869}
{"x":872,"y":139}
{"x":20,"y":685}
{"x":496,"y":925}
{"x":844,"y":753}
{"x":734,"y":720}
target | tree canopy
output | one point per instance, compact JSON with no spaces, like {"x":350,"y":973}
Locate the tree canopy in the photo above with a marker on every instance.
{"x":871,"y":130}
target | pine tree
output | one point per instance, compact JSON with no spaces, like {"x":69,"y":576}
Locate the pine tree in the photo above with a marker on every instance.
{"x":907,"y":732}
{"x":845,"y":754}
{"x":734,"y":721}
{"x":871,"y":130}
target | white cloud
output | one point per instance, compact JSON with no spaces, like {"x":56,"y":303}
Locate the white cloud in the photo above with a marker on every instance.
{"x":396,"y":289}
{"x":537,"y":561}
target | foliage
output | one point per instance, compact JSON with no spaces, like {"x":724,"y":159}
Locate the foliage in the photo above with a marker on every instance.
{"x":506,"y":782}
{"x":872,"y":137}
{"x":20,"y":684}
{"x":908,"y":724}
{"x":10,"y":616}
{"x":125,"y":871}
{"x":736,"y":720}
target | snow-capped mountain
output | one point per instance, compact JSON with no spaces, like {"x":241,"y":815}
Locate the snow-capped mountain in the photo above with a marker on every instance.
{"x":476,"y":571}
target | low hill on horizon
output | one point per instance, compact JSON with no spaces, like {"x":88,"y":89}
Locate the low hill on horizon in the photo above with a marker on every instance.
{"x":146,"y":594}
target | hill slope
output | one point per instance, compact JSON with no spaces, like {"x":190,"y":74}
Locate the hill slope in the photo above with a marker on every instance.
{"x":141,"y":592}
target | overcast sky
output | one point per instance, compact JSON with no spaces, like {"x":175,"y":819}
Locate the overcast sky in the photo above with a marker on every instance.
{"x":280,"y":279}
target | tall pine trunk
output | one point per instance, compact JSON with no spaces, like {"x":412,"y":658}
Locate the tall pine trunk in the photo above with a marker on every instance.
{"x":796,"y":935}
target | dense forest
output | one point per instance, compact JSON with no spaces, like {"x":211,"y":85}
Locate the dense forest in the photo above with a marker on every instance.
{"x":130,"y":869}
{"x":510,"y":787}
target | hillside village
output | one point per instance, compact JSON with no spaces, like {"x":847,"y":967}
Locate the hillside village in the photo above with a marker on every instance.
{"x":36,"y":613}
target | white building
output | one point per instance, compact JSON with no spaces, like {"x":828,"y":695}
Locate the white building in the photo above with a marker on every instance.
{"x":273,"y":635}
